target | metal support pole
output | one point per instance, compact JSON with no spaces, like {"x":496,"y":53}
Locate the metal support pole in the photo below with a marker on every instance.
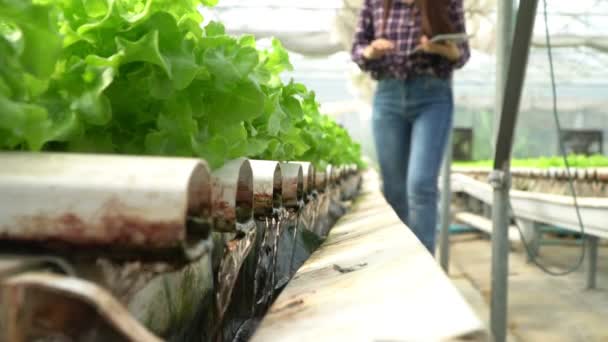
{"x":500,"y":254}
{"x":532,"y":236}
{"x":500,"y":177}
{"x":504,"y":40}
{"x":592,"y":261}
{"x":446,"y":192}
{"x":486,"y":210}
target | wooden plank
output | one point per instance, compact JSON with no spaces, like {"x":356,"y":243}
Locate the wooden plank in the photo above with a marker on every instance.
{"x":371,"y":280}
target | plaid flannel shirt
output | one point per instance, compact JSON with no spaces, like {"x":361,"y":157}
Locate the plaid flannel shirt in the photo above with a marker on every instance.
{"x":404,"y":28}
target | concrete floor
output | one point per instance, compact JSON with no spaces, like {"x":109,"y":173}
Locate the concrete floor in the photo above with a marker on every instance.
{"x":541,"y":307}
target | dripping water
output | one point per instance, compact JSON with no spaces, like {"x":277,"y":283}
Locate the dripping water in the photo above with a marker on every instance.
{"x":235,"y":252}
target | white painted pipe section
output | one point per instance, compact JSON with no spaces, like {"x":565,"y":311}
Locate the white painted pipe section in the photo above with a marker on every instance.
{"x":267,"y":187}
{"x":548,"y":208}
{"x":232,"y":195}
{"x":99,"y":200}
{"x":293,"y":185}
{"x":308,"y":174}
{"x":321,"y":180}
{"x":332,"y":174}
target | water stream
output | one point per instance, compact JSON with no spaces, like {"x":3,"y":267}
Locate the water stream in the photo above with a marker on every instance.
{"x":292,"y":270}
{"x":261,"y":259}
{"x":235,"y":252}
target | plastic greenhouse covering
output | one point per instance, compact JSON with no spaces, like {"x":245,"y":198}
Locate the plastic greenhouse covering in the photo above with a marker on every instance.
{"x":319,"y":32}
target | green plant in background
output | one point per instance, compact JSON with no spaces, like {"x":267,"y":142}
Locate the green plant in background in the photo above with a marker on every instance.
{"x":142,"y":77}
{"x":580,"y":161}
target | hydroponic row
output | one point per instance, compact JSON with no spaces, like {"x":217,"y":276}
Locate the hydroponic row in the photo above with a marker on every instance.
{"x":144,"y":77}
{"x":574,"y":160}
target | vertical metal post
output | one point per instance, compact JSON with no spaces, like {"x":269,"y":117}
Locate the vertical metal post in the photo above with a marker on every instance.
{"x":532,"y":236}
{"x":504,"y":39}
{"x":500,"y":254}
{"x":500,"y":177}
{"x":446,"y":192}
{"x":486,"y":210}
{"x":592,"y":261}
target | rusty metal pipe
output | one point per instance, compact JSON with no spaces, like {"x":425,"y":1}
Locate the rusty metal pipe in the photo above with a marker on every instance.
{"x":293,"y":185}
{"x":232,"y":195}
{"x":267,"y":187}
{"x":321,"y":181}
{"x":122,"y":202}
{"x":332,"y":174}
{"x":43,"y":305}
{"x":308,"y":176}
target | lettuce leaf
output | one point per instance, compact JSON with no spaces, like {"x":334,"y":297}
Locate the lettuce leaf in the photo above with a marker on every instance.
{"x":143,"y":77}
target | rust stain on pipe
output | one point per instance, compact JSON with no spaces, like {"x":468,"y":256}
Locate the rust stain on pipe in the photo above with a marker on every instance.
{"x":125,"y":203}
{"x":113,"y":226}
{"x":232,"y":195}
{"x":267,"y":187}
{"x":308,"y":178}
{"x":293,"y":185}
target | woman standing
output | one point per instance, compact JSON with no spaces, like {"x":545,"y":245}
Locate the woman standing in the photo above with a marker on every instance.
{"x":413,"y":104}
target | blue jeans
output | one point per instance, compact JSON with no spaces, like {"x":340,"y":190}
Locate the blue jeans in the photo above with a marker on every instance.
{"x":411,"y":121}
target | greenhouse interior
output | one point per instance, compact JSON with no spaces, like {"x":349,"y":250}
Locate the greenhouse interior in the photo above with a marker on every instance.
{"x":265,"y":170}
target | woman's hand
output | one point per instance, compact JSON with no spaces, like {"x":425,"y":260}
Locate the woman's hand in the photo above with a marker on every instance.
{"x":448,"y":49}
{"x":378,"y":48}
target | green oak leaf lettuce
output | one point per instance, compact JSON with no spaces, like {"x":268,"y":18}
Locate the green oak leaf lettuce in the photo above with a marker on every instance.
{"x":143,"y":77}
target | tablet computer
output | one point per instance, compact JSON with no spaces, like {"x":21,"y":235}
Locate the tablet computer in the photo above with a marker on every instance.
{"x":451,"y":37}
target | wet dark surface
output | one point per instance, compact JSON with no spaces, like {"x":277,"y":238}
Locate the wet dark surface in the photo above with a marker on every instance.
{"x":284,"y":267}
{"x":204,"y":324}
{"x":236,"y":253}
{"x":283,"y":244}
{"x":246,"y":271}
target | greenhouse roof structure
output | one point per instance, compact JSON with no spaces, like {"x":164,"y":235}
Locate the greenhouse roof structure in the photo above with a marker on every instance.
{"x":578,"y":31}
